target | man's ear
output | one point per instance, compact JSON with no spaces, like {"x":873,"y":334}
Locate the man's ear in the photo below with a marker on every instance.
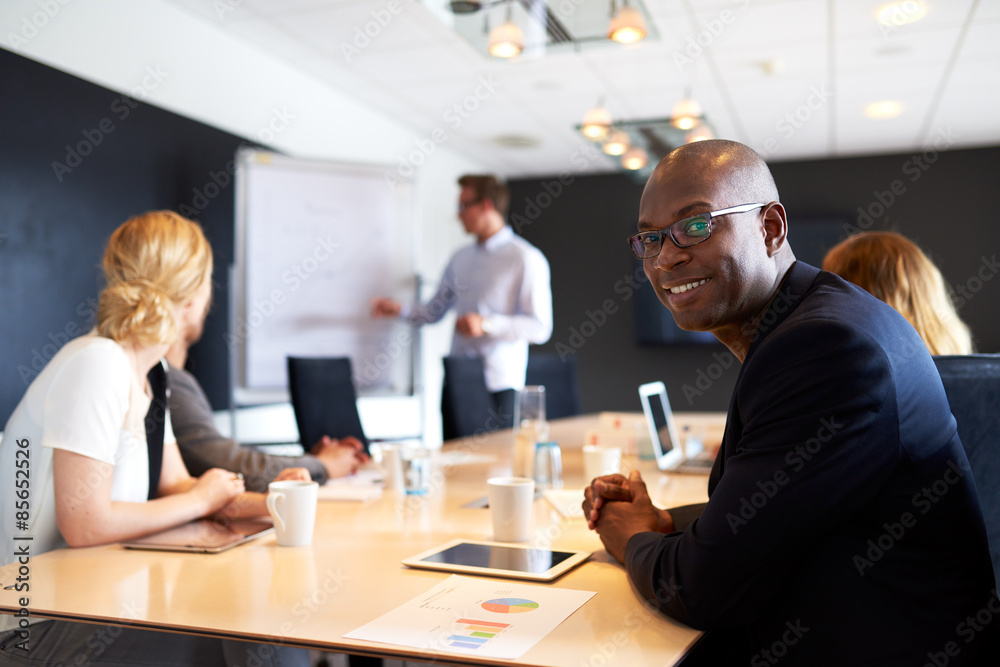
{"x":775,"y":227}
{"x":488,"y":204}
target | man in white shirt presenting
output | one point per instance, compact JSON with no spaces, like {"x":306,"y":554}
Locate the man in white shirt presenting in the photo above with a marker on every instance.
{"x":500,"y":288}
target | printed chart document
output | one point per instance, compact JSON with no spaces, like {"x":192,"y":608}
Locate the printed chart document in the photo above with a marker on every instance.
{"x":472,"y":616}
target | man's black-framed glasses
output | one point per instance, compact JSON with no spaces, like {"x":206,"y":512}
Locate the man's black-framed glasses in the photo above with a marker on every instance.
{"x":463,"y":206}
{"x":684,"y":233}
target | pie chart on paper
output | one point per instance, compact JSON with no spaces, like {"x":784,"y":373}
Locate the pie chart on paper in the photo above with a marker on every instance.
{"x":510,"y":605}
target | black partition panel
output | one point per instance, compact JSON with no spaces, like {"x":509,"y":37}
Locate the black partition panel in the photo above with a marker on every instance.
{"x":77,"y":161}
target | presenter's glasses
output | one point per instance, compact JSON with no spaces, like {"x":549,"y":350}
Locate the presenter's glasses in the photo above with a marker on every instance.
{"x":684,"y":233}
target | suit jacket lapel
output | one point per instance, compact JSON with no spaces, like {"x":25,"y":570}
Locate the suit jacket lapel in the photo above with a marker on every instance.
{"x":793,"y":289}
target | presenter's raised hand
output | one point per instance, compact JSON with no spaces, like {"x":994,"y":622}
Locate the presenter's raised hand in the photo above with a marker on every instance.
{"x":383,"y":307}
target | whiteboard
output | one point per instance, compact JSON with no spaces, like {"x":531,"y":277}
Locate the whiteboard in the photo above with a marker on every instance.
{"x":315,"y":243}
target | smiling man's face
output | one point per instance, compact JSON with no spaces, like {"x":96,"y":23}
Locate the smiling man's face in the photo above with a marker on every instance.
{"x":718,"y":285}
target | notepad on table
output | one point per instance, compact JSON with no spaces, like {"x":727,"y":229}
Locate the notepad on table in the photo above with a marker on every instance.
{"x":364,"y":486}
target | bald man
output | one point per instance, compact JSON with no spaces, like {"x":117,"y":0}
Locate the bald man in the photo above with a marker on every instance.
{"x":842,"y":526}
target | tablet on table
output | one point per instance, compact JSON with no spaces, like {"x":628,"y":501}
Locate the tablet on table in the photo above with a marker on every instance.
{"x":498,"y":559}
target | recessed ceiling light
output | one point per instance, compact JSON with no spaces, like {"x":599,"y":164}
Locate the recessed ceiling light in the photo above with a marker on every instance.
{"x":901,"y":13}
{"x":772,"y":66}
{"x":884,"y":109}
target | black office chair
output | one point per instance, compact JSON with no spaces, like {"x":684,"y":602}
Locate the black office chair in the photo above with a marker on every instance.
{"x":972,"y":384}
{"x":324,"y":399}
{"x":562,"y":388}
{"x":466,"y":404}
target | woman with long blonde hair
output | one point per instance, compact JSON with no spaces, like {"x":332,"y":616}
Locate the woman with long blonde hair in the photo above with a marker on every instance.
{"x":895,"y":270}
{"x":82,"y":426}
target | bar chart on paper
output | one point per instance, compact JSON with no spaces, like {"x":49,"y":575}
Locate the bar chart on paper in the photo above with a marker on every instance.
{"x":473,"y":634}
{"x":481,"y":617}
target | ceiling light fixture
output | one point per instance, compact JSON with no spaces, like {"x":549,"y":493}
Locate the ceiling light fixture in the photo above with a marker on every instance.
{"x":901,"y":13}
{"x":686,"y":114}
{"x":506,"y":40}
{"x":639,"y":144}
{"x":884,"y":109}
{"x":616,"y":143}
{"x":627,"y":26}
{"x":634,"y":158}
{"x":596,"y":122}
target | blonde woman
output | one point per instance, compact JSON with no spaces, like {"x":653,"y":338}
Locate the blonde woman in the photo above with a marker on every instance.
{"x":892,"y":268}
{"x":81,"y":425}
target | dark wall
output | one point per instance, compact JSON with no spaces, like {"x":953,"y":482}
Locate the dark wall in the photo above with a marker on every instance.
{"x":116,"y":158}
{"x":941,"y":200}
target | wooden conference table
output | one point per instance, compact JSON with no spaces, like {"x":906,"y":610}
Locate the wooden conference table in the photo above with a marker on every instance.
{"x":351,"y":574}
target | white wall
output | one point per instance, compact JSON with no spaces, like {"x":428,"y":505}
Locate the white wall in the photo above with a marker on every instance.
{"x":130,"y":46}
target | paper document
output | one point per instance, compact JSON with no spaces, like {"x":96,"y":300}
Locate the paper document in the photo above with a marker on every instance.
{"x":568,"y":502}
{"x":364,"y":486}
{"x":478,"y":617}
{"x":460,"y":457}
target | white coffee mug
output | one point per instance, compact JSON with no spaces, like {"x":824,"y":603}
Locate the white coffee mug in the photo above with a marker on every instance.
{"x":292,"y":505}
{"x":599,"y":460}
{"x":511,"y":504}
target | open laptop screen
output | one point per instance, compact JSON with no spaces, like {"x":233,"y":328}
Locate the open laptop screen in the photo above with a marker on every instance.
{"x":660,"y":422}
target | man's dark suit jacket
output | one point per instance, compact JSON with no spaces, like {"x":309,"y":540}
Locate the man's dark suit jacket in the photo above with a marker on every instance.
{"x":842,"y":526}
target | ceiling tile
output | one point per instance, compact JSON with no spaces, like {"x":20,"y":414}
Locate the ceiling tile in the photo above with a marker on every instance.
{"x":345,"y":28}
{"x":987,"y":9}
{"x":428,"y":62}
{"x":983,"y":39}
{"x":273,"y":7}
{"x":911,"y":49}
{"x":766,"y":63}
{"x":268,"y":37}
{"x":881,"y":84}
{"x":204,"y":9}
{"x":740,"y":25}
{"x":976,"y":73}
{"x":801,"y":111}
{"x":971,"y":114}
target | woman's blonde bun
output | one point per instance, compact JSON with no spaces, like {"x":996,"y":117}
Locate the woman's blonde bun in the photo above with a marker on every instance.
{"x":154,"y":263}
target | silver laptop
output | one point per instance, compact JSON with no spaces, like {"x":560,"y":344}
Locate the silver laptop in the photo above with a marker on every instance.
{"x":670,"y":453}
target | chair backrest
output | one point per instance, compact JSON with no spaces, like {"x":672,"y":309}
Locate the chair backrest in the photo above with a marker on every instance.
{"x":324,"y":399}
{"x":562,"y":388}
{"x":972,"y":383}
{"x":465,"y":401}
